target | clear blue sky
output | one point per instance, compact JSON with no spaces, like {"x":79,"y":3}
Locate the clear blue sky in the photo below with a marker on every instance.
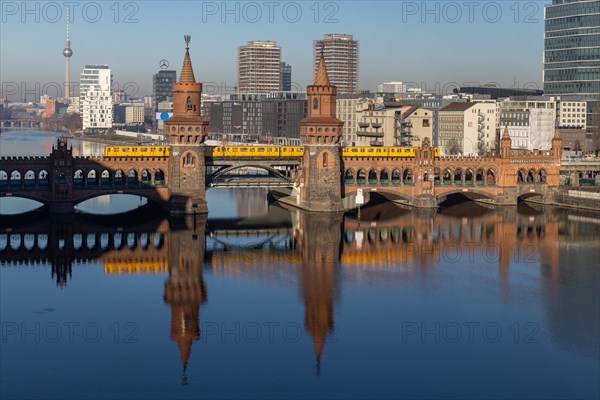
{"x":411,"y":41}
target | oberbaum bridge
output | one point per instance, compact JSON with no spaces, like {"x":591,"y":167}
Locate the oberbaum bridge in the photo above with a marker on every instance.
{"x":321,"y":180}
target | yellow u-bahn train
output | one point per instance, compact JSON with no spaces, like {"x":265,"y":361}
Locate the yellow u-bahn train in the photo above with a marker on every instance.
{"x":383,"y":151}
{"x":264,"y":151}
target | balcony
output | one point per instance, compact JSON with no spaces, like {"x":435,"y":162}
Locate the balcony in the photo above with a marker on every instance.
{"x":369,"y":134}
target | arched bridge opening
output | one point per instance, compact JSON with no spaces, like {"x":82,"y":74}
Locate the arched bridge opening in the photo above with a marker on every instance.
{"x":122,"y":201}
{"x":461,"y":196}
{"x":250,"y":175}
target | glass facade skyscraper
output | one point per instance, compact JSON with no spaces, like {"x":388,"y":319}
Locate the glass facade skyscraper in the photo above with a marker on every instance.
{"x":572,"y":52}
{"x":162,"y":86}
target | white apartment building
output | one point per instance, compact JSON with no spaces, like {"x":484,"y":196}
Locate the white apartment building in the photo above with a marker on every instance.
{"x":571,"y":113}
{"x":467,"y":128}
{"x":340,"y":52}
{"x":346,"y":111}
{"x":95,"y":97}
{"x":392,"y":126}
{"x":74,"y":105}
{"x":259,"y":67}
{"x":392,"y":87}
{"x":530,"y":122}
{"x":134,"y":113}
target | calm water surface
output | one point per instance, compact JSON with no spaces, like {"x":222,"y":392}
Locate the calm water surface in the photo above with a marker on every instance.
{"x":254,"y":300}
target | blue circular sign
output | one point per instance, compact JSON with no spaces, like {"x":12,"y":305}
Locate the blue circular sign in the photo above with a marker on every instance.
{"x":164,"y":116}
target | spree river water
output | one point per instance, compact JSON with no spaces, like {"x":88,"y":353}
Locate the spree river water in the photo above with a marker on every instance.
{"x":255,"y":300}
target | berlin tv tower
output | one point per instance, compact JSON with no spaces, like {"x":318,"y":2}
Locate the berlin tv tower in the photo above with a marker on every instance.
{"x":67,"y":52}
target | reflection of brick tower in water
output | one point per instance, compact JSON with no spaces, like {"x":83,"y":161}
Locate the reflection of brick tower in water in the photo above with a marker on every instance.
{"x":185,"y":289}
{"x":320,"y":259}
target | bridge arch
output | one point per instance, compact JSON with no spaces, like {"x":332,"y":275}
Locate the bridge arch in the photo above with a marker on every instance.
{"x":372,"y":178}
{"x":361,"y":176}
{"x":133,"y":191}
{"x":349,"y":178}
{"x":396,"y":177}
{"x":384,"y":176}
{"x":408,"y":176}
{"x":42,"y":177}
{"x":490,"y":177}
{"x":29,"y":178}
{"x":146,"y":177}
{"x":78,"y":178}
{"x":105,"y":177}
{"x":392,"y":195}
{"x":132,"y":177}
{"x":541,"y":177}
{"x":29,"y":196}
{"x":15,"y":176}
{"x":473,"y":194}
{"x":271,"y":170}
{"x":479,"y":176}
{"x":159,"y":177}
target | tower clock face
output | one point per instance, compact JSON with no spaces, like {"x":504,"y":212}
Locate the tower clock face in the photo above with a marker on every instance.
{"x":62,"y":144}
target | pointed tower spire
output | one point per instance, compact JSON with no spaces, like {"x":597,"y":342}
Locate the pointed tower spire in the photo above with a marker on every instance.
{"x":187,"y":72}
{"x":322,"y":78}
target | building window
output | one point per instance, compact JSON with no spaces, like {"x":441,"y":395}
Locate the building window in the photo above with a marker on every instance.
{"x":315,"y":104}
{"x":188,"y":104}
{"x":189,"y":160}
{"x":325,"y":160}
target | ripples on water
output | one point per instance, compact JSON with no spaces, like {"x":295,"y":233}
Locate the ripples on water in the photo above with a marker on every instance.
{"x":258,"y":301}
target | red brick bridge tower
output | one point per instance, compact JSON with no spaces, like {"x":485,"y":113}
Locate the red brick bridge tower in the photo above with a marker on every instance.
{"x":186,"y":131}
{"x":320,"y":132}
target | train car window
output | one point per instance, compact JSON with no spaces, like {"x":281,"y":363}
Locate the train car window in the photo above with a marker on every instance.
{"x":243,"y":150}
{"x":354,"y":150}
{"x":301,"y":149}
{"x":144,"y":149}
{"x":284,"y":150}
{"x":161,"y":149}
{"x":125,"y":149}
{"x":260,"y":150}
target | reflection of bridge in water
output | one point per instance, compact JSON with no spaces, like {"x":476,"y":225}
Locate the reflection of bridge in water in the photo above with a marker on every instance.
{"x":313,"y":250}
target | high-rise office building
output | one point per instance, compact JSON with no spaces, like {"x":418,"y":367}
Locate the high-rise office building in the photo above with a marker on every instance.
{"x":572,"y":52}
{"x":162,"y":86}
{"x":95,"y":97}
{"x":341,"y":59}
{"x":259,"y":67}
{"x":286,"y":77}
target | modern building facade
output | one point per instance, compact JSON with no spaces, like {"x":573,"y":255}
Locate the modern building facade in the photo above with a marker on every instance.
{"x":95,"y":97}
{"x":286,"y":77}
{"x":258,"y":116}
{"x":340,"y":52}
{"x":129,"y":113}
{"x":572,"y":52}
{"x":405,"y":125}
{"x":530,"y":121}
{"x":467,"y":128}
{"x":259,"y":67}
{"x":571,"y":113}
{"x":162,"y":86}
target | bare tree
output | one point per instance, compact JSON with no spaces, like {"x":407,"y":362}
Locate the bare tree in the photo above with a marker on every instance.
{"x":453,"y":147}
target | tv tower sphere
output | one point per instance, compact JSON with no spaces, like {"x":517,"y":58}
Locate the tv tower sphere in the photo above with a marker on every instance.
{"x":67,"y":52}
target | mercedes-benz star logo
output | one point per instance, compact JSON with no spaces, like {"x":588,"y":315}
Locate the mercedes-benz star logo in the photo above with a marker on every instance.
{"x":164,"y":64}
